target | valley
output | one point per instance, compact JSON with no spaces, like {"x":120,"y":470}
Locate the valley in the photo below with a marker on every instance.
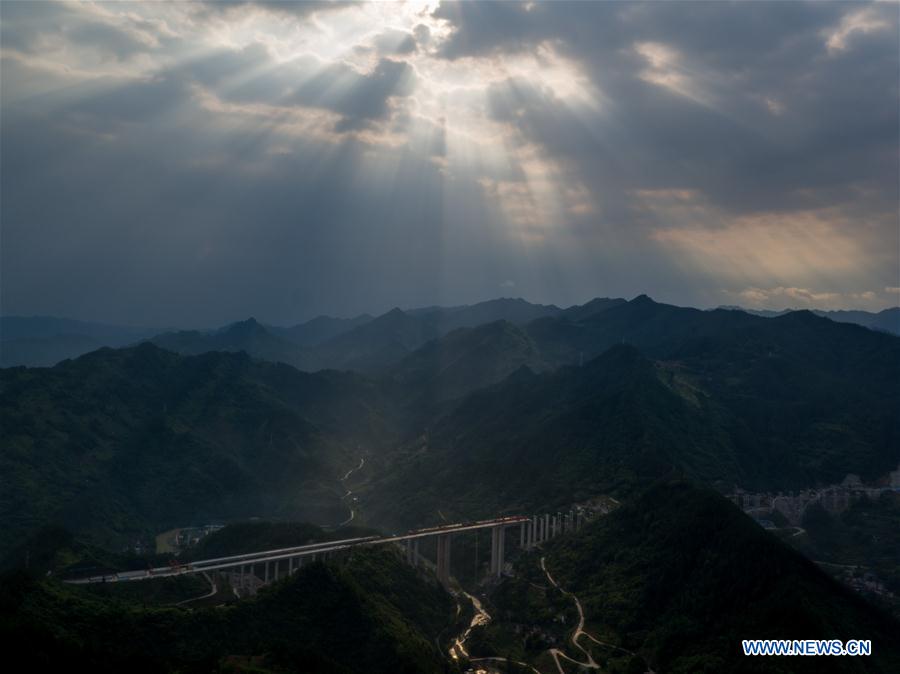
{"x":489,"y":421}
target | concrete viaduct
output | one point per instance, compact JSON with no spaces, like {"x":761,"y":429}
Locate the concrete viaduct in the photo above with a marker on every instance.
{"x":252,"y":569}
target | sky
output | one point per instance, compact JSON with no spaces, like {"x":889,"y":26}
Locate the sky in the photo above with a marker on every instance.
{"x":189,"y":164}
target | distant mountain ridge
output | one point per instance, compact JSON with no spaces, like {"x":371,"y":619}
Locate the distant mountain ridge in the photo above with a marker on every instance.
{"x":373,"y":345}
{"x":886,"y":320}
{"x":248,"y":336}
{"x":41,"y":341}
{"x":319,"y":329}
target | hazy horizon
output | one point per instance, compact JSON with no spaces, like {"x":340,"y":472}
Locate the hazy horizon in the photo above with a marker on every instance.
{"x":381,"y":312}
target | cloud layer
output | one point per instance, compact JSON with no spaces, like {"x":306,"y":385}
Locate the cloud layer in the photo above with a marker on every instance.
{"x":178,"y":163}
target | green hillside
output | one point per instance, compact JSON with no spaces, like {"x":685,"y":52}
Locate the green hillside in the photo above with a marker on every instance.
{"x":128,"y":443}
{"x":370,"y":614}
{"x":681,"y":576}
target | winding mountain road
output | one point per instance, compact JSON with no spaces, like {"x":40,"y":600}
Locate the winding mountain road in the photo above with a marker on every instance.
{"x":349,"y":494}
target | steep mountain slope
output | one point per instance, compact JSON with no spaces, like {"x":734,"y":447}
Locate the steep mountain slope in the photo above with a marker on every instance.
{"x":126,"y":443}
{"x":795,"y":385}
{"x":595,"y":306}
{"x":248,"y":336}
{"x":370,"y":614}
{"x":374,"y":346}
{"x":383,"y":342}
{"x":466,"y":360}
{"x":681,"y":576}
{"x":513,"y":310}
{"x":731,"y":398}
{"x":548,"y":440}
{"x":319,"y":329}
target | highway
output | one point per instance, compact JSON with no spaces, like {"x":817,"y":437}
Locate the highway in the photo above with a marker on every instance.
{"x":297,"y":552}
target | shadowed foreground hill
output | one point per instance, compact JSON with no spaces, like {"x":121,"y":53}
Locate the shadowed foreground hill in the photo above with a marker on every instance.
{"x":370,"y":614}
{"x":682,"y":576}
{"x":128,"y":442}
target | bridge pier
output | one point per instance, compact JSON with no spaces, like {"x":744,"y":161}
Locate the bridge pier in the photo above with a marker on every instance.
{"x":522,"y":536}
{"x":498,"y":549}
{"x":443,"y":559}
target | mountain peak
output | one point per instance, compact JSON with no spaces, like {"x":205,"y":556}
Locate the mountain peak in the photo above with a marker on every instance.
{"x":249,"y":325}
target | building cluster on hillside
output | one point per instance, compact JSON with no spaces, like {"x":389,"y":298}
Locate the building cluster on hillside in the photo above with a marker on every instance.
{"x":792,"y":506}
{"x":189,"y":536}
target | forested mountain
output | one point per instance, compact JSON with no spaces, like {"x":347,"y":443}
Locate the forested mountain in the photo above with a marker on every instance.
{"x":382,"y":343}
{"x":727,"y":397}
{"x":370,"y":614}
{"x":681,"y":576}
{"x":499,"y":417}
{"x":319,"y":329}
{"x":248,"y":336}
{"x":120,"y":443}
{"x":467,"y":360}
{"x":131,"y":440}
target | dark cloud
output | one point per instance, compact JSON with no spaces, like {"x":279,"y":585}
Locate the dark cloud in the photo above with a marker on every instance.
{"x":302,"y":9}
{"x":360,"y":99}
{"x":395,"y":42}
{"x":172,"y":181}
{"x":835,"y":115}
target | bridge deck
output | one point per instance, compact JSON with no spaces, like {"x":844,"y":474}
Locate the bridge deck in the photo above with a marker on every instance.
{"x":236,"y":561}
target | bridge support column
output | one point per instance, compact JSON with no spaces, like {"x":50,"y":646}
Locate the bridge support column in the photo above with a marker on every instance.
{"x":498,"y":549}
{"x":415,"y":559}
{"x":522,"y":536}
{"x":494,"y":546}
{"x":266,"y":573}
{"x":547,"y":526}
{"x":443,"y":559}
